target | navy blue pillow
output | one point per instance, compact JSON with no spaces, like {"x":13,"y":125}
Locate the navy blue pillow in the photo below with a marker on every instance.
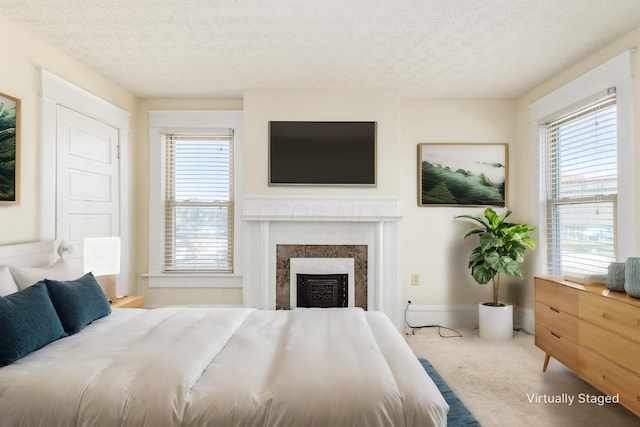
{"x":28,"y":321}
{"x":78,"y":302}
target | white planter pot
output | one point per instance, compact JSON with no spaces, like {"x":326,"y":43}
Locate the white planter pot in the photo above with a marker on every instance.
{"x":496,"y":323}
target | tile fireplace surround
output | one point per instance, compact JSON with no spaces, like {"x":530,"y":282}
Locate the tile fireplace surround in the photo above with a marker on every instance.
{"x":322,"y":254}
{"x":361,"y":228}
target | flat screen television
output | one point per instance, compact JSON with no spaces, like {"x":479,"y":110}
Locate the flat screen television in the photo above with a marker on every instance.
{"x":322,"y":153}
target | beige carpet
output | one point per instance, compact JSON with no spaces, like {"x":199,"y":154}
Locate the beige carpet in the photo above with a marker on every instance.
{"x":496,"y":381}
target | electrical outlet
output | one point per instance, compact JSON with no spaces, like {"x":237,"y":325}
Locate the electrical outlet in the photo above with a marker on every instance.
{"x":415,"y":279}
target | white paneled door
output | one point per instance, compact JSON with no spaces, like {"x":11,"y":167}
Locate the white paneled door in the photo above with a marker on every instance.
{"x":87,"y":199}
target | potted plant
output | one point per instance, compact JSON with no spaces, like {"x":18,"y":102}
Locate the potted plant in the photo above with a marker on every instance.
{"x":501,"y":250}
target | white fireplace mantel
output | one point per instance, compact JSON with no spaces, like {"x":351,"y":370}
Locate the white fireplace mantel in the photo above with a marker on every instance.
{"x":322,"y":208}
{"x":322,"y":220}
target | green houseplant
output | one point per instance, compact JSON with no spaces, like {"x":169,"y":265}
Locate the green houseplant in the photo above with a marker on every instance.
{"x":501,"y":250}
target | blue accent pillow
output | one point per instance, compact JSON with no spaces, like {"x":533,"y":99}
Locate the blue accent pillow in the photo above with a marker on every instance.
{"x":28,"y":321}
{"x":78,"y":302}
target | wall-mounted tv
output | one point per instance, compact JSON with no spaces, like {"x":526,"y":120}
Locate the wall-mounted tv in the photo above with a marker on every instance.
{"x":322,"y":153}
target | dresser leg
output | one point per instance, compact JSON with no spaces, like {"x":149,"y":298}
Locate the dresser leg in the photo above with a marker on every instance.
{"x":546,"y":362}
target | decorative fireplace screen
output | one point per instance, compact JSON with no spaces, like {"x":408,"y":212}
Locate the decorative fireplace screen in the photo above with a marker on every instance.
{"x":322,"y":290}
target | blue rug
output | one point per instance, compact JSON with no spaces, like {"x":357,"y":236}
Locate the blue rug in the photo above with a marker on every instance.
{"x":458,"y":415}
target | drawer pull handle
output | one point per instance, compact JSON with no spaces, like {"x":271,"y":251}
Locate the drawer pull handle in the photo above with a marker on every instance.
{"x":554,"y":334}
{"x":558,"y":311}
{"x":604,"y":315}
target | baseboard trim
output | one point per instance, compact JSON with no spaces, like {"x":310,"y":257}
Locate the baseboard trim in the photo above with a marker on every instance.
{"x":461,"y":316}
{"x":525,"y":319}
{"x":451,"y":316}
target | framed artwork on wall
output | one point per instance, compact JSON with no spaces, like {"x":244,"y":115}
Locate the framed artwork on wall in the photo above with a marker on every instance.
{"x":454,"y":174}
{"x":9,"y":150}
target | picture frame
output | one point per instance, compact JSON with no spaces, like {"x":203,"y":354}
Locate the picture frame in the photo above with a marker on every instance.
{"x":461,"y":174}
{"x":9,"y":150}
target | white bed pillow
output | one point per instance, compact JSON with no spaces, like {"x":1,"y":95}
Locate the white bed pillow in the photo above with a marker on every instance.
{"x":7,"y":284}
{"x":27,"y":276}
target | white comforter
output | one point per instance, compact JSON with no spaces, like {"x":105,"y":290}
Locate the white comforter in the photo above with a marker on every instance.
{"x":224,"y":367}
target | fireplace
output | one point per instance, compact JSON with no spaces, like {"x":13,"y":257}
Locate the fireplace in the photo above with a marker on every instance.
{"x":321,"y":290}
{"x":361,"y":229}
{"x":291,"y":260}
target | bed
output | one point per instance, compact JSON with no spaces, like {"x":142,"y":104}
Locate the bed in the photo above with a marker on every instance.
{"x":186,"y":366}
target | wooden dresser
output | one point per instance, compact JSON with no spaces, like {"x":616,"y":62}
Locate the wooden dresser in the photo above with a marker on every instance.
{"x":593,"y":331}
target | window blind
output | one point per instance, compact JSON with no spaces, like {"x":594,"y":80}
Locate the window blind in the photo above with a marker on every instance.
{"x":581,"y":189}
{"x":198,"y":202}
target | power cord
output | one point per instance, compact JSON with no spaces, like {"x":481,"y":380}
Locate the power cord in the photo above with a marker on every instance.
{"x":440,"y":327}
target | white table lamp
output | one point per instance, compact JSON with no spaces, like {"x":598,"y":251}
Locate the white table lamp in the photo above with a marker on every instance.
{"x":102,"y":258}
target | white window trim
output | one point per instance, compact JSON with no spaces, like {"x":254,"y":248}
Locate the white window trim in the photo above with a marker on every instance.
{"x":161,"y":122}
{"x":617,"y":73}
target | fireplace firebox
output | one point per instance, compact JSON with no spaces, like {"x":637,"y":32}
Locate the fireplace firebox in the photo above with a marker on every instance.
{"x":322,"y":290}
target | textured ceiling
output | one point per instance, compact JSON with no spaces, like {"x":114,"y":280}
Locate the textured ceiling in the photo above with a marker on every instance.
{"x":434,"y":48}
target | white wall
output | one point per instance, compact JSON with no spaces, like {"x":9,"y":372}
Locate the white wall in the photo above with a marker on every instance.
{"x":432,"y":244}
{"x":261,"y":106}
{"x":431,"y":240}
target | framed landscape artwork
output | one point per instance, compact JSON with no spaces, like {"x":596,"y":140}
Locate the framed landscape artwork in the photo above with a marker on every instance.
{"x":9,"y":149}
{"x":462,"y":174}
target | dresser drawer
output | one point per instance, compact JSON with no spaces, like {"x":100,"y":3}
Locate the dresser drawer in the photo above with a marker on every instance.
{"x":559,"y":322}
{"x":615,"y":316}
{"x":557,"y":296}
{"x":609,"y":345}
{"x":558,"y":347}
{"x":610,"y":379}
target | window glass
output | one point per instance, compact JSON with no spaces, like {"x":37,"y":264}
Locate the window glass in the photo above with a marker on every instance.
{"x":581,"y":189}
{"x":199,"y":203}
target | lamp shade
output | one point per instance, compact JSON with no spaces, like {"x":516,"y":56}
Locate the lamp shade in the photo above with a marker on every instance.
{"x":102,"y":255}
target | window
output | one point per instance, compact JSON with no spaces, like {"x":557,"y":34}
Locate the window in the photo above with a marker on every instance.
{"x":195,"y":183}
{"x":581,"y":189}
{"x":198,"y":202}
{"x":583,"y":145}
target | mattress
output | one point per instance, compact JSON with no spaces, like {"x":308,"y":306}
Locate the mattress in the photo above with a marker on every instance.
{"x":183,"y":366}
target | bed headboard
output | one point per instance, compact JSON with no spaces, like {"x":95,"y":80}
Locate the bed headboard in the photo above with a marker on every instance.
{"x":32,"y":254}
